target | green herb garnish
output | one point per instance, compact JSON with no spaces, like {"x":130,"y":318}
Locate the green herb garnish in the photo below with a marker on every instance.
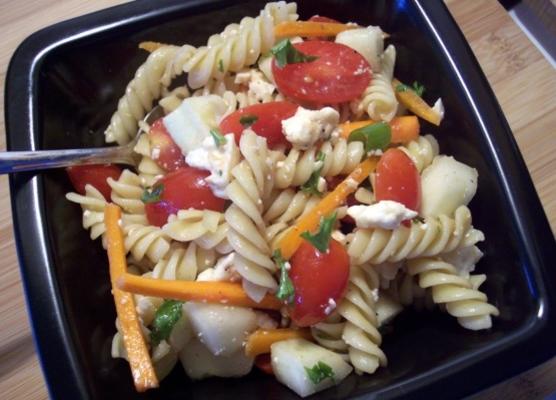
{"x":374,"y":136}
{"x":219,"y":139}
{"x":321,"y":239}
{"x":416,"y":87}
{"x":418,"y":220}
{"x":152,"y":195}
{"x":319,"y":372}
{"x":248,"y":120}
{"x":286,"y":291}
{"x":220,"y":65}
{"x":286,"y":53}
{"x":311,"y":186}
{"x":164,"y":320}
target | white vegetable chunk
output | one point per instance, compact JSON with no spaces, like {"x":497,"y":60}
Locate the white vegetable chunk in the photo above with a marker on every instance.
{"x":223,"y":329}
{"x":192,"y":121}
{"x":445,"y":185}
{"x":291,"y":357}
{"x":198,"y":362}
{"x":366,"y":41}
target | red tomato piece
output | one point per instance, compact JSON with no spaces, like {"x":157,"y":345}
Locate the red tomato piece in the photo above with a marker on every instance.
{"x":268,"y":123}
{"x":317,"y":277}
{"x":96,"y":175}
{"x":165,"y":151}
{"x":181,"y":189}
{"x":262,"y":361}
{"x":338,"y":74}
{"x":397,"y":179}
{"x":320,"y":18}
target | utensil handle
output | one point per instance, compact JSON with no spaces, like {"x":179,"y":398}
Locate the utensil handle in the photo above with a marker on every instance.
{"x":18,"y":161}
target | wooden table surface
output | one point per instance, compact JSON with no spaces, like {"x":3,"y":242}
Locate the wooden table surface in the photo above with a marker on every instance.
{"x":524,"y":83}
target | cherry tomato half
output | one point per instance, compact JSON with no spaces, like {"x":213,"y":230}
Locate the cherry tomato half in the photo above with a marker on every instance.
{"x":320,"y":18}
{"x":96,"y":175}
{"x":318,"y":279}
{"x":262,"y":361}
{"x":165,"y":151}
{"x":181,"y":189}
{"x":268,"y":124}
{"x":338,"y":74}
{"x":397,"y":179}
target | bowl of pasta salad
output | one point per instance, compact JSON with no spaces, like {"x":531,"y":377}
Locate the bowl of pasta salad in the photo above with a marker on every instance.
{"x":327,"y":201}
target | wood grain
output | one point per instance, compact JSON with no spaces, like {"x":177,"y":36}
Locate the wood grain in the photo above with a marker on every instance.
{"x":522,"y":79}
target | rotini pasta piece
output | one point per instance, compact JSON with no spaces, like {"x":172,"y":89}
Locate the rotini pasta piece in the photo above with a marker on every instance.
{"x":92,"y":204}
{"x":205,"y":227}
{"x":379,"y":99}
{"x":341,"y":157}
{"x":172,"y":100}
{"x":251,"y":183}
{"x":435,"y":236}
{"x":329,"y":334}
{"x":146,"y":241}
{"x":421,"y":151}
{"x":127,"y":192}
{"x":184,"y":263}
{"x":459,"y":294}
{"x":406,"y":291}
{"x":360,"y":331}
{"x":139,"y":96}
{"x":148,"y":170}
{"x":238,"y":46}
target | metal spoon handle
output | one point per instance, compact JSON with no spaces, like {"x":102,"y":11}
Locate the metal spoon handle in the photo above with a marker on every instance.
{"x":18,"y":161}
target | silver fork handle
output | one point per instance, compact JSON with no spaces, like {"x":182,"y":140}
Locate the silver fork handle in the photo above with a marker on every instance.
{"x":18,"y":161}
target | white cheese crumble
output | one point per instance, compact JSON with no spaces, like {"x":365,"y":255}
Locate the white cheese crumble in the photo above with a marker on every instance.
{"x":259,"y":87}
{"x":464,"y":259}
{"x":306,"y":127}
{"x":439,"y":108}
{"x":331,"y":306}
{"x":374,"y":293}
{"x":352,"y":183}
{"x":223,"y":271}
{"x":385,"y":214}
{"x":219,"y":160}
{"x":321,"y":184}
{"x":264,"y":321}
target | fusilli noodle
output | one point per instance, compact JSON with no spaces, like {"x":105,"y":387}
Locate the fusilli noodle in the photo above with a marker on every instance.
{"x":459,"y":294}
{"x":421,"y":151}
{"x":435,"y":236}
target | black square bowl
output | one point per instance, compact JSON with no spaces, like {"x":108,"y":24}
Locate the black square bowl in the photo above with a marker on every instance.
{"x":63,"y":84}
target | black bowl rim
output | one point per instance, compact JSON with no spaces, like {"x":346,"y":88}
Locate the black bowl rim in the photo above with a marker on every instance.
{"x":532,"y":345}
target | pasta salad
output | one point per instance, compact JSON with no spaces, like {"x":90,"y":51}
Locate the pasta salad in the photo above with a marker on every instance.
{"x":285,"y":206}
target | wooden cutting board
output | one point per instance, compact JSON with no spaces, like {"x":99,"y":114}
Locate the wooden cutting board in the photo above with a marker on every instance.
{"x":523,"y":81}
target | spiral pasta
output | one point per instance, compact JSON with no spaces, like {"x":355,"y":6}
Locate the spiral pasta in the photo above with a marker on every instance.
{"x":421,"y":151}
{"x":238,"y":46}
{"x":204,"y":227}
{"x":139,"y":96}
{"x":459,"y":294}
{"x":148,"y":170}
{"x":296,"y":168}
{"x":435,"y":236}
{"x":360,"y":331}
{"x":379,"y":100}
{"x":251,"y":183}
{"x":145,"y":241}
{"x":127,"y":191}
{"x":92,"y":204}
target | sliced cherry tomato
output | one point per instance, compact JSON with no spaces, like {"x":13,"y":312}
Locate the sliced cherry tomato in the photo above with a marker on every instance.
{"x":319,"y":279}
{"x":268,"y":123}
{"x":164,"y":150}
{"x":338,"y":74}
{"x":96,"y":175}
{"x":397,"y":179}
{"x":319,"y":18}
{"x":262,"y":361}
{"x":181,"y":189}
